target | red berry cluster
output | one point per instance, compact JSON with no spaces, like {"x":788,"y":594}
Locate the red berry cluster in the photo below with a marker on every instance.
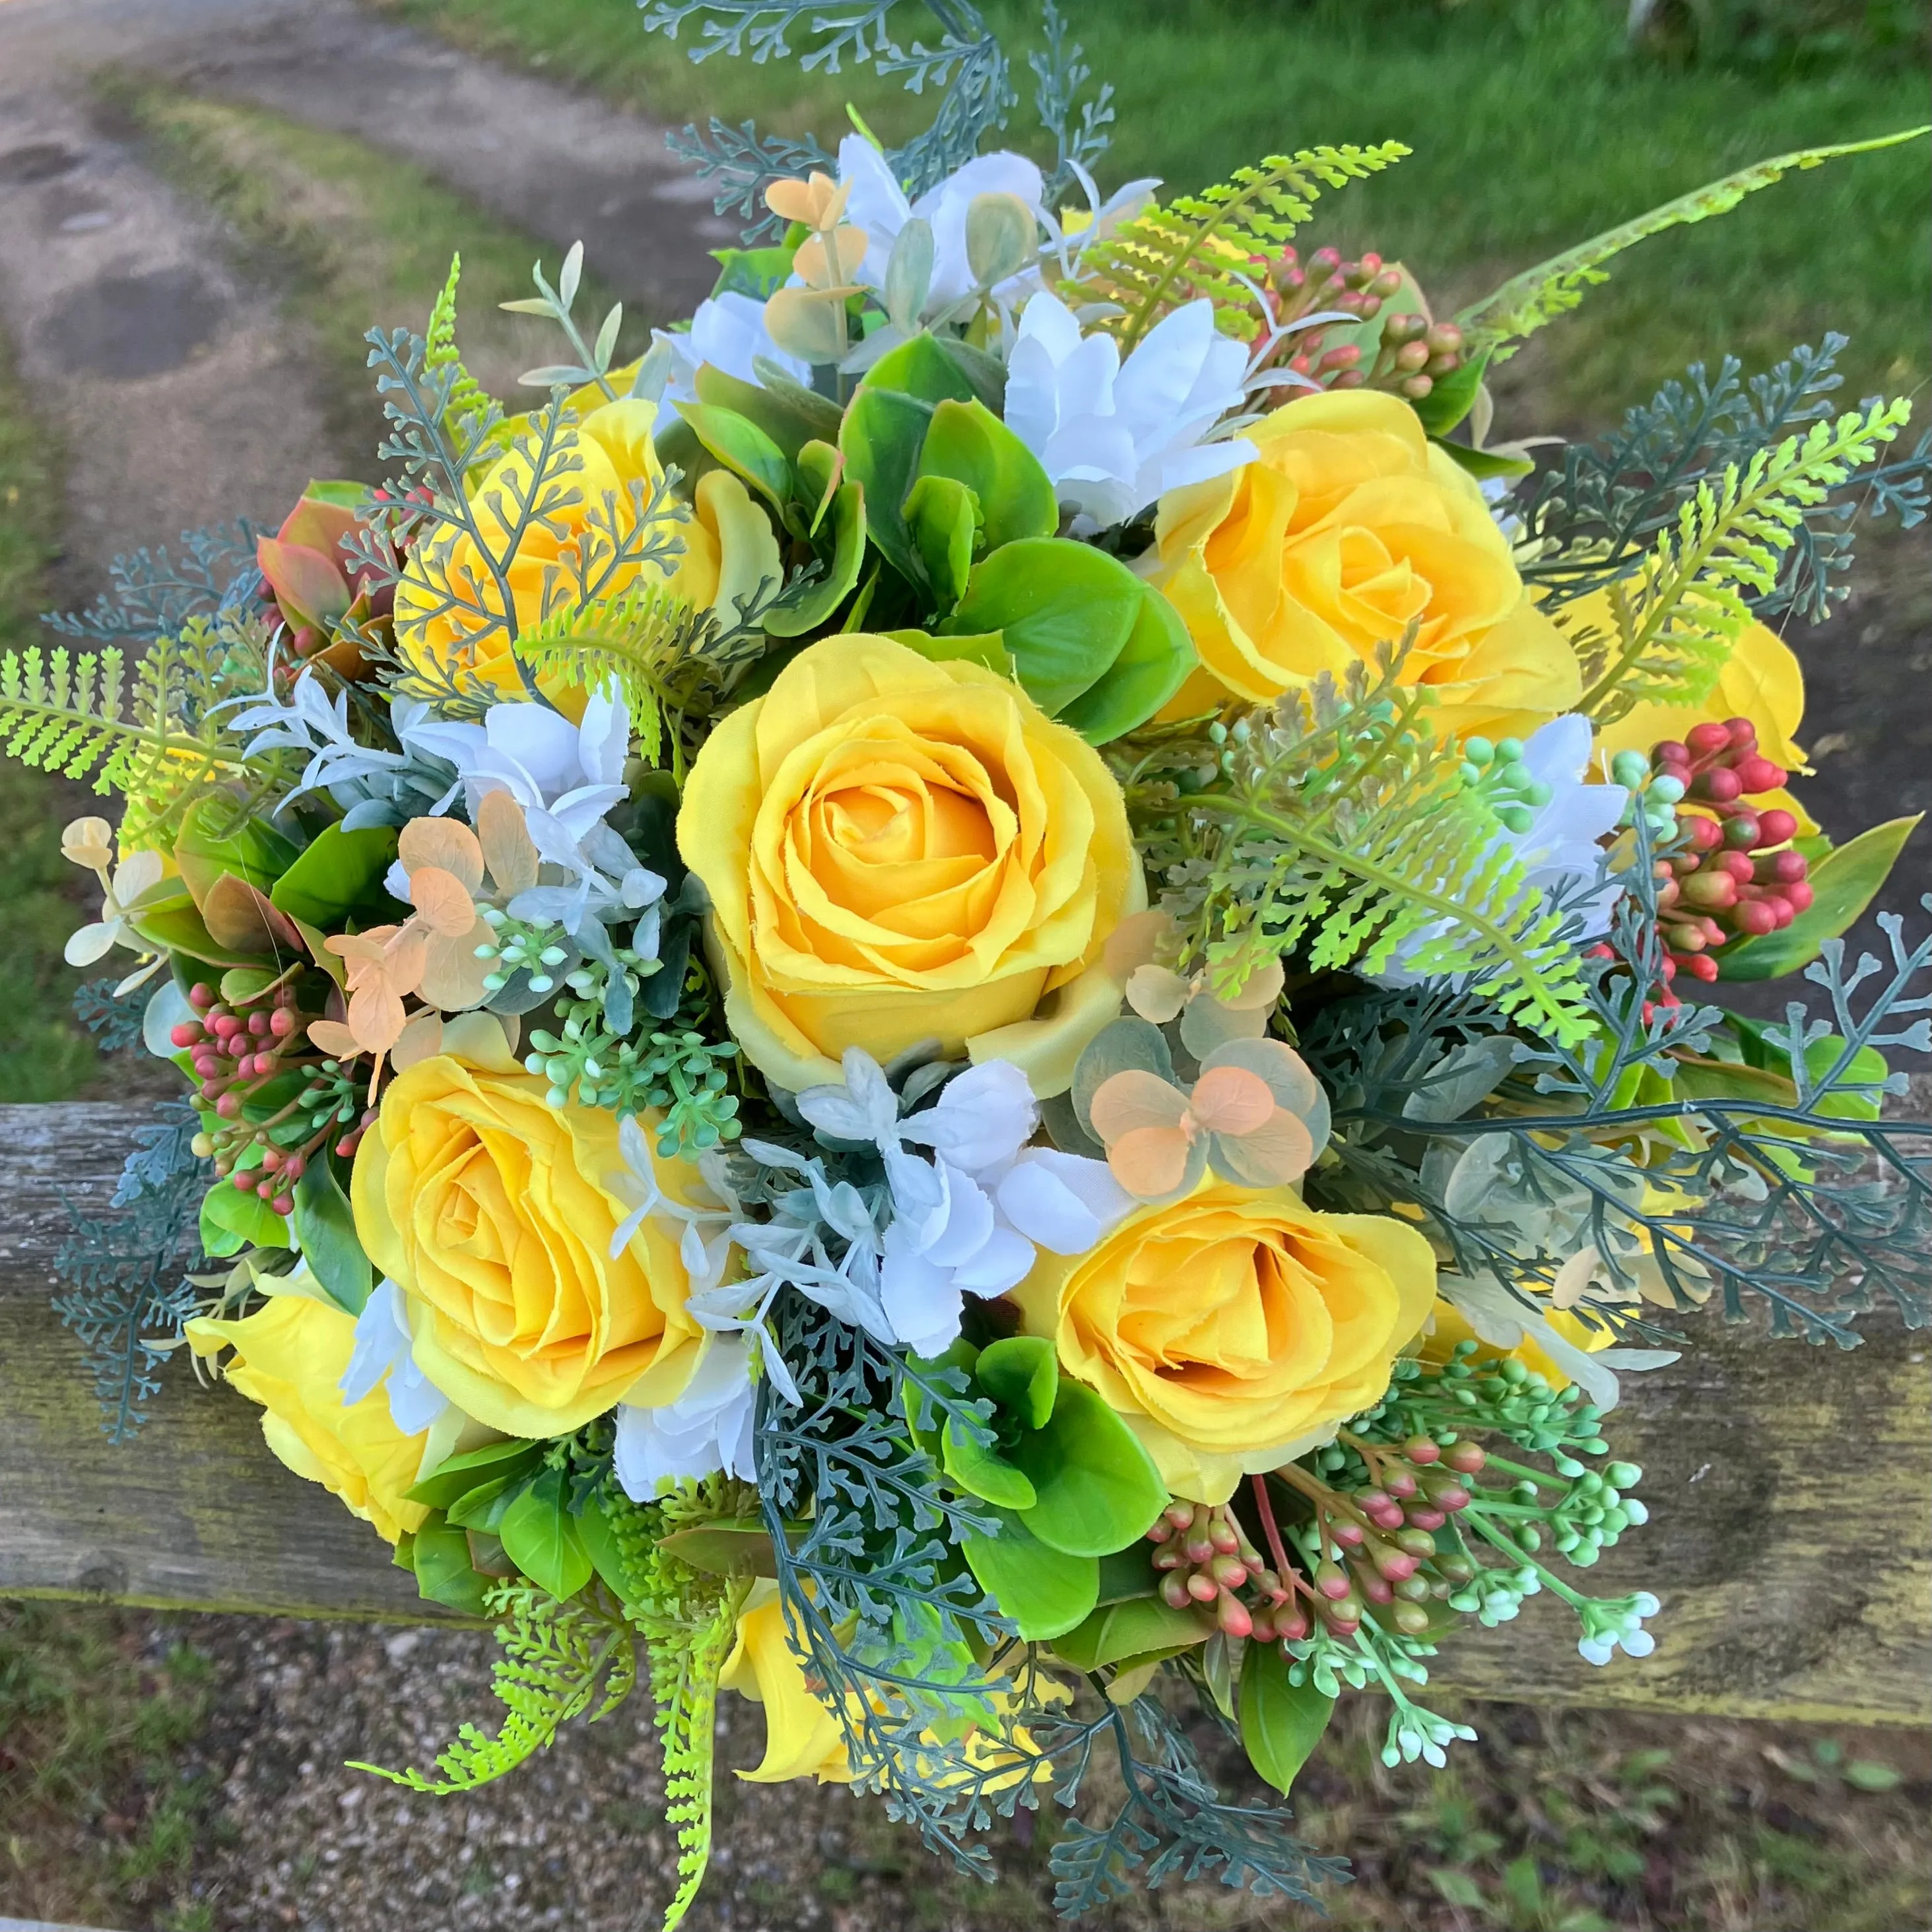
{"x":1414,"y":353}
{"x":1726,"y":884}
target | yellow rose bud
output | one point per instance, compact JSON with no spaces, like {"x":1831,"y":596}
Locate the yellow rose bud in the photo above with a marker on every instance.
{"x":899,"y":850}
{"x":1234,"y":1328}
{"x":449,"y":599}
{"x":289,"y":1356}
{"x":1348,"y":527}
{"x":494,"y":1212}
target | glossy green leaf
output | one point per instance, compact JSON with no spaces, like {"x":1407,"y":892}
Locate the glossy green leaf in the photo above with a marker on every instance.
{"x":540,"y":1536}
{"x":1021,"y":1374}
{"x":942,"y":518}
{"x":441,"y":1554}
{"x":1065,"y":608}
{"x":485,"y":1507}
{"x":970,"y":444}
{"x":1128,"y":1573}
{"x":1140,"y":1627}
{"x":791,"y":418}
{"x":756,"y":272}
{"x":1098,"y":1487}
{"x":1045,"y":1591}
{"x":920,"y":366}
{"x":1484,"y":464}
{"x":880,"y":437}
{"x":848,"y":556}
{"x":678,"y":447}
{"x":1452,"y":396}
{"x":1281,"y":1723}
{"x":339,"y":872}
{"x":325,"y":1225}
{"x":1152,"y":665}
{"x":600,"y":1545}
{"x":990,"y":650}
{"x":234,"y":1218}
{"x":211,"y":842}
{"x":457,"y":1475}
{"x":986,"y":374}
{"x":1843,"y":882}
{"x":982,"y":1471}
{"x":174,"y":925}
{"x":743,"y":448}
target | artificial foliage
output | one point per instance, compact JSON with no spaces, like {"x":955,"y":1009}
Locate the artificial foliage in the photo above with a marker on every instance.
{"x":991,"y":1003}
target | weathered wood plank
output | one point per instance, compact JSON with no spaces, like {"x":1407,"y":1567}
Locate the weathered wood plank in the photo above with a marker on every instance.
{"x":1790,"y":1492}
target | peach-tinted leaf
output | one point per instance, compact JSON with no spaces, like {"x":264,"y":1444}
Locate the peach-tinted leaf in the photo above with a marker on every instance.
{"x":508,"y":848}
{"x":1127,"y":1102}
{"x":333,"y":1039}
{"x":1278,"y":1151}
{"x":442,"y":900}
{"x":1149,"y":1161}
{"x":1574,"y":1277}
{"x":1278,"y":1064}
{"x":1232,"y":1100}
{"x":239,"y":916}
{"x":1137,"y":940}
{"x":452,"y":975}
{"x":1260,"y":990}
{"x":442,"y":842}
{"x":420,"y":1039}
{"x":375,"y":1016}
{"x":1155,"y":993}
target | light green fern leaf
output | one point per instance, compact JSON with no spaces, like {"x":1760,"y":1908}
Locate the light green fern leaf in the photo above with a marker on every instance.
{"x":1205,"y":244}
{"x":467,"y":397}
{"x":556,"y":1657}
{"x":1540,"y":294}
{"x":1347,"y":837}
{"x":1675,"y":622}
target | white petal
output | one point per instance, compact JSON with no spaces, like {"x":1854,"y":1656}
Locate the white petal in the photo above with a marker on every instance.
{"x":963,"y":1225}
{"x":1064,"y":1201}
{"x":543,"y":742}
{"x":921,"y":1303}
{"x":983,"y":1117}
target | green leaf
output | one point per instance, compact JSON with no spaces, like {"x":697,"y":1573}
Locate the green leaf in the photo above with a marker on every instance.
{"x":1065,"y":608}
{"x":601,"y":1546}
{"x":1482,"y":464}
{"x":792,"y":417}
{"x":1281,"y":1723}
{"x":443,"y":1571}
{"x":970,"y":444}
{"x":1098,"y":1487}
{"x":1453,"y":397}
{"x":757,"y":272}
{"x":1141,"y":1628}
{"x":457,"y":1475}
{"x":1843,"y":882}
{"x":982,"y":1471}
{"x":743,"y":448}
{"x":880,"y":436}
{"x":174,"y":925}
{"x":325,"y":1230}
{"x":234,"y":1218}
{"x":1021,"y":1374}
{"x":211,"y":844}
{"x":485,"y":1507}
{"x":1128,"y":1573}
{"x":1867,"y":1775}
{"x":1457,"y":1889}
{"x":942,"y":519}
{"x":990,"y":650}
{"x":848,"y":556}
{"x":723,"y":1550}
{"x":1046,"y":1592}
{"x":1152,"y":665}
{"x":920,"y":366}
{"x":339,"y":872}
{"x":541,"y":1537}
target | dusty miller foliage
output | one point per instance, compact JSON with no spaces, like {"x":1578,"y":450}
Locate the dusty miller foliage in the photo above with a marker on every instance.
{"x":1595,"y":513}
{"x":125,"y":1291}
{"x":965,"y":64}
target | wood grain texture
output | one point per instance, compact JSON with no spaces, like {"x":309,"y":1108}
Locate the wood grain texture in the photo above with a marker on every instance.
{"x":1789,"y":1487}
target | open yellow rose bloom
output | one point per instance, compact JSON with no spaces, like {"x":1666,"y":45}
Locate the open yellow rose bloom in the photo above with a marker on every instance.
{"x":897,"y":850}
{"x":1348,"y":527}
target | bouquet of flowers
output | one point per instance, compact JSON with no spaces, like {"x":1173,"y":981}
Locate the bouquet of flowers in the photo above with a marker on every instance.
{"x":972,"y":1003}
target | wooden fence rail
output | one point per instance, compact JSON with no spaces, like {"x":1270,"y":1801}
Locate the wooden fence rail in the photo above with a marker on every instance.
{"x":1790,"y":1492}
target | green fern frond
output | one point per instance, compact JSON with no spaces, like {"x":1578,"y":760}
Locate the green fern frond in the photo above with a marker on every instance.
{"x":159,"y":743}
{"x":1678,"y":619}
{"x":1540,"y":294}
{"x":467,"y":397}
{"x":1348,"y":837}
{"x":556,"y":1658}
{"x":1202,"y":244}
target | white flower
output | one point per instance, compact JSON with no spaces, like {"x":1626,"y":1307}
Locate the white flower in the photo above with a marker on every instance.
{"x":728,"y":332}
{"x":382,"y":1347}
{"x":968,"y":1220}
{"x":1115,"y":437}
{"x":706,"y":1429}
{"x":878,"y":204}
{"x":138,"y":873}
{"x":309,"y":723}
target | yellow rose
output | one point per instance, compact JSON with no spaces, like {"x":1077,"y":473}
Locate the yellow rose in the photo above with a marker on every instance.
{"x":289,"y":1356}
{"x":449,"y":595}
{"x":1235,"y":1327}
{"x":899,"y":850}
{"x":1349,"y":527}
{"x":1761,"y":681}
{"x":494,"y":1212}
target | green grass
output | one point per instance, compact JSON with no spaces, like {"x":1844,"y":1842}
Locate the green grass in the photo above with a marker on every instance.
{"x":353,"y":239}
{"x":45,"y":1054}
{"x":1532,"y":128}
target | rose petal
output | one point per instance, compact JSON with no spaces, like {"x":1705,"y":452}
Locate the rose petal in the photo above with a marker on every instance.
{"x":443,"y":843}
{"x":1149,"y":1161}
{"x":1126,"y":1102}
{"x":1232,"y":1100}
